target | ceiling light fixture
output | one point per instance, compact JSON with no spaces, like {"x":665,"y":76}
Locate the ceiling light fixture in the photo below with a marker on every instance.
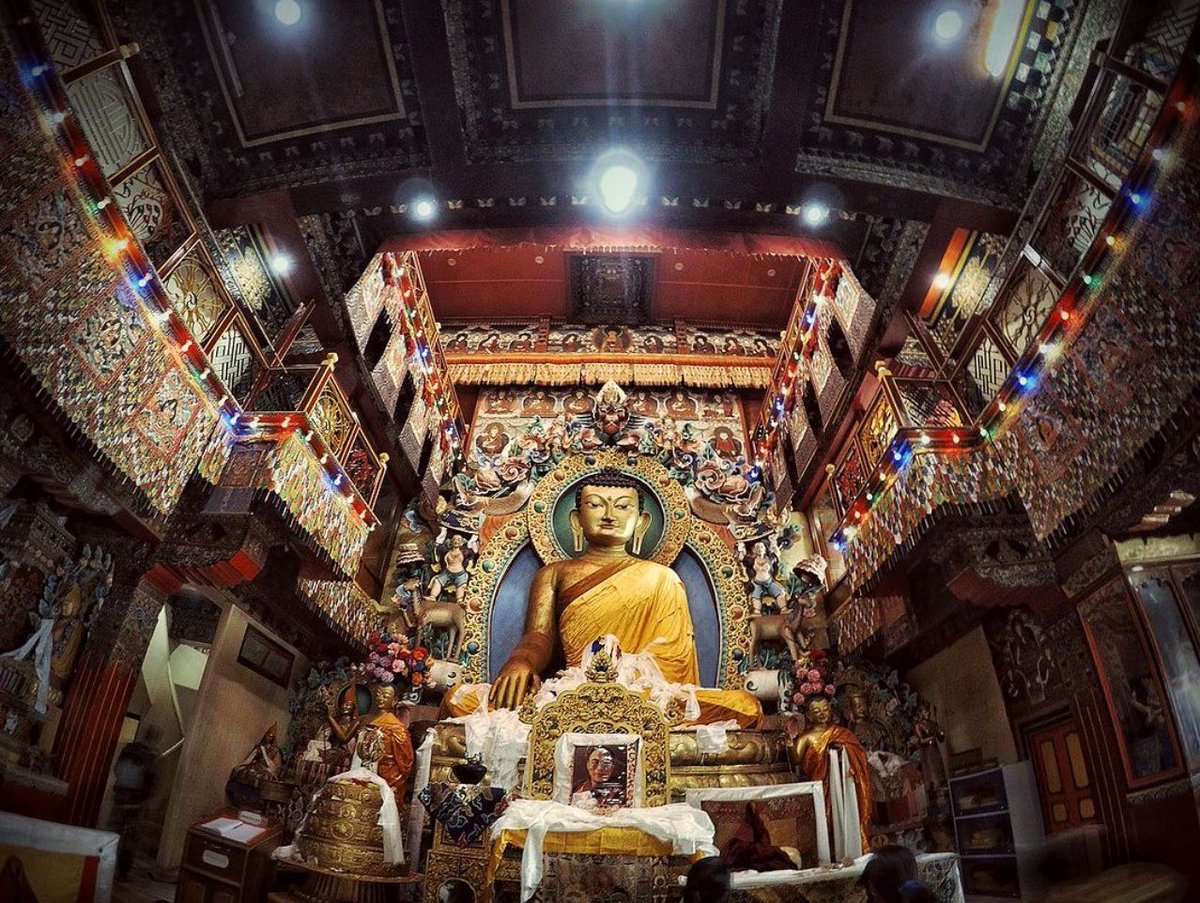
{"x":281,"y":264}
{"x":948,"y":25}
{"x":618,"y":184}
{"x":424,"y":208}
{"x":288,"y":12}
{"x":814,"y":214}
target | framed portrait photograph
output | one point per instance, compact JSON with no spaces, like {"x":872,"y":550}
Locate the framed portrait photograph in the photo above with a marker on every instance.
{"x":598,"y":772}
{"x":264,"y":656}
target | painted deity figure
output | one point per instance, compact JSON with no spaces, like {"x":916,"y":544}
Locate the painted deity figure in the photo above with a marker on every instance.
{"x":831,"y":754}
{"x":762,"y":575}
{"x":395,"y":762}
{"x":454,"y":571}
{"x":608,"y":591}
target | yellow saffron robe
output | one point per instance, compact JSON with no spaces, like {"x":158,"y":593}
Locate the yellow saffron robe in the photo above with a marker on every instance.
{"x":645,"y":607}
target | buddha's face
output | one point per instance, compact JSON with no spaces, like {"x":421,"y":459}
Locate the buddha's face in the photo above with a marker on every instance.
{"x":609,"y":515}
{"x":348,"y":705}
{"x":385,"y":698}
{"x":818,"y":712}
{"x":600,"y":766}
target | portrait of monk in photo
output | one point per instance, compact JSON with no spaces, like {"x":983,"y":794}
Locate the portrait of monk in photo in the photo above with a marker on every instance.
{"x":600,"y":777}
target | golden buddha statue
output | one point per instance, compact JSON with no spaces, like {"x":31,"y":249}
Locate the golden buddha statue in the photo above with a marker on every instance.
{"x":395,"y":760}
{"x":609,"y":591}
{"x":811,"y":754}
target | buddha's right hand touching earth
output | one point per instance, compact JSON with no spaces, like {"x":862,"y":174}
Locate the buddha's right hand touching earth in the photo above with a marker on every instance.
{"x":516,"y":680}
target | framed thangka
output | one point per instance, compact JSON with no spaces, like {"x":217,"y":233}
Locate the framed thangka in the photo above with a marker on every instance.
{"x":1141,"y":720}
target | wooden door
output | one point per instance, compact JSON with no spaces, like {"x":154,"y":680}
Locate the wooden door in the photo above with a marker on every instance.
{"x":1064,"y":785}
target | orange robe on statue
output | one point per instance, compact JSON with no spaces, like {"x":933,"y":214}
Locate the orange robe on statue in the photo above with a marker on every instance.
{"x":814,"y":762}
{"x":396,"y":763}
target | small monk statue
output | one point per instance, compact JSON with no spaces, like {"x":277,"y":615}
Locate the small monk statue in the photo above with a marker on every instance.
{"x":811,"y":754}
{"x":264,"y":763}
{"x":396,"y":759}
{"x":609,"y":591}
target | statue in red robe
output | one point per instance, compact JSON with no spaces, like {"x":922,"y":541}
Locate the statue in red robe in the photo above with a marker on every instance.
{"x":811,"y":754}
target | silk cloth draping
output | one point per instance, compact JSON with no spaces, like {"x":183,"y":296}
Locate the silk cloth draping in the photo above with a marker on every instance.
{"x":846,"y":774}
{"x":678,"y":828}
{"x":644,"y":606}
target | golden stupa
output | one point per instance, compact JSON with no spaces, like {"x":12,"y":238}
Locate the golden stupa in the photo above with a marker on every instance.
{"x":342,"y":835}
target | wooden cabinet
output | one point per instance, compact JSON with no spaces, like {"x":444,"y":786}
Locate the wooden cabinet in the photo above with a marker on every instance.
{"x":998,"y":831}
{"x":215,"y":870}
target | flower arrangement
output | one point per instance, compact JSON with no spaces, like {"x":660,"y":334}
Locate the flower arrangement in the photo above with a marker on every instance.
{"x":391,"y":661}
{"x":813,"y":677}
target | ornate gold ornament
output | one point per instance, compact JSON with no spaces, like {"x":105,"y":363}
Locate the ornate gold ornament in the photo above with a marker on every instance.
{"x":733,"y":605}
{"x":600,"y":708}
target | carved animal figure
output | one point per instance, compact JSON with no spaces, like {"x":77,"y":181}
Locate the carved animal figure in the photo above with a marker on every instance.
{"x":450,"y":615}
{"x":442,"y":675}
{"x":784,"y":627}
{"x":765,"y":683}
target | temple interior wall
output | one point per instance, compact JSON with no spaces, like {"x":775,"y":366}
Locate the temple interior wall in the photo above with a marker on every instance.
{"x":961,"y":682}
{"x":243,"y":704}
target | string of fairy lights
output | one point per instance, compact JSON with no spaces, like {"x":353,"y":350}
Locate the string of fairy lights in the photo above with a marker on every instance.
{"x":83,"y":171}
{"x":1114,"y":236}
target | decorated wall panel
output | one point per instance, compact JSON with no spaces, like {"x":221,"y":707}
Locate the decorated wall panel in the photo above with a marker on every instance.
{"x":74,"y":322}
{"x":691,"y":418}
{"x":562,"y":339}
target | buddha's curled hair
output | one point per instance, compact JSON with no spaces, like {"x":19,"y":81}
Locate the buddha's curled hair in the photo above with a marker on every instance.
{"x":609,"y":477}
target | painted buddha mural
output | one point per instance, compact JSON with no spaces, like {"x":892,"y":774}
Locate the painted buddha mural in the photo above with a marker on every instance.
{"x":608,"y":590}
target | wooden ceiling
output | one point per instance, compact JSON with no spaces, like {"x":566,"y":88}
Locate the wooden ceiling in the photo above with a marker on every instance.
{"x":740,"y":109}
{"x":531,"y":282}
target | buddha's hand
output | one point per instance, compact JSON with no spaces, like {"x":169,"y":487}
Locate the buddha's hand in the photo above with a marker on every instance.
{"x":515,"y":681}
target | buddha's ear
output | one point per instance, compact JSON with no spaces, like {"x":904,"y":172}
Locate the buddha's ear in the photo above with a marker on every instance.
{"x":639,"y":531}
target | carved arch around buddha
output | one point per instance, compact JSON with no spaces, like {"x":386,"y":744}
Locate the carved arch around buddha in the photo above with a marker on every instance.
{"x":513,"y":544}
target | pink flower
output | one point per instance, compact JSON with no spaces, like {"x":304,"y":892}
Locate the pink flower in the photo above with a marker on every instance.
{"x":397,"y":664}
{"x":373,"y":657}
{"x":814,"y":674}
{"x":394,"y":648}
{"x":386,"y":677}
{"x":830,"y":689}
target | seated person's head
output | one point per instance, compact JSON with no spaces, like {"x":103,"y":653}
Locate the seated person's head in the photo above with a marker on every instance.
{"x":707,"y":881}
{"x":891,"y":877}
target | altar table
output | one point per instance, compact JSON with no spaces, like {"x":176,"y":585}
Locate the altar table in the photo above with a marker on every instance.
{"x":840,"y":885}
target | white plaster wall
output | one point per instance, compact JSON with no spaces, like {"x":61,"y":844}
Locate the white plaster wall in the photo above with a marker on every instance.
{"x":961,"y":681}
{"x":232,"y":709}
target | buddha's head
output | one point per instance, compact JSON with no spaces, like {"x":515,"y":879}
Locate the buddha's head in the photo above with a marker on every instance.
{"x":349,"y":704}
{"x":609,"y":512}
{"x":818,"y":712}
{"x":385,"y":698}
{"x":600,"y":765}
